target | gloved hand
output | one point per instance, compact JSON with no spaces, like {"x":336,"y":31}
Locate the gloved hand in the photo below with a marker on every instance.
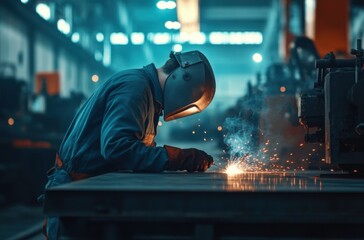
{"x":189,"y":159}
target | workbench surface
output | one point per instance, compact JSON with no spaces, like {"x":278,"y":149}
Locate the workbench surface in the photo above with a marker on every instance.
{"x":262,"y":201}
{"x":219,"y":182}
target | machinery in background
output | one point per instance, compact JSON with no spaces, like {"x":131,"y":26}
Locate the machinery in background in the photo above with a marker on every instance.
{"x":282,"y":135}
{"x":269,"y":113}
{"x":334,"y":110}
{"x":31,"y":128}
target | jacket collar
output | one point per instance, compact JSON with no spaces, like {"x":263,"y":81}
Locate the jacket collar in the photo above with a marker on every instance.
{"x":157,"y":90}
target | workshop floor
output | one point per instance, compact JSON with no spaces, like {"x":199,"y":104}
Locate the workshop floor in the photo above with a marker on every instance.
{"x":21,"y":222}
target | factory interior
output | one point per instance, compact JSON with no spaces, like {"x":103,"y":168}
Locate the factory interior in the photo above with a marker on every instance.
{"x":285,"y":127}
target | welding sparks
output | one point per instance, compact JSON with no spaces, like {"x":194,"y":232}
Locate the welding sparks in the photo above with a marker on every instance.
{"x":234,"y":168}
{"x":246,"y":153}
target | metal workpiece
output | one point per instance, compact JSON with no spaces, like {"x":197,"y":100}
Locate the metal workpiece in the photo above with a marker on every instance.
{"x":139,"y":206}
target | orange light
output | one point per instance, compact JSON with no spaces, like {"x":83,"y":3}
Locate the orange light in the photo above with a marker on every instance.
{"x":95,"y":78}
{"x":219,"y":128}
{"x":283,"y":89}
{"x":11,"y":121}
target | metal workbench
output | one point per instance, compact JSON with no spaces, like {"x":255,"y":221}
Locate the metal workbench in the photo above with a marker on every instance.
{"x":210,"y":206}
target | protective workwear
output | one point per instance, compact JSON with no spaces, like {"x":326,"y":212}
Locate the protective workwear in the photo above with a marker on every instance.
{"x":189,"y":159}
{"x":190,"y":88}
{"x":115,"y":128}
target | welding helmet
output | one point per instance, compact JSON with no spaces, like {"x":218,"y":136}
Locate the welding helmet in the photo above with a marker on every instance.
{"x":190,"y":88}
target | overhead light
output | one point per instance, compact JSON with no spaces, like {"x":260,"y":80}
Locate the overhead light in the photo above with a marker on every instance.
{"x":236,"y":38}
{"x":24,"y":1}
{"x":197,"y":38}
{"x":159,"y":38}
{"x":257,"y":57}
{"x":172,"y":25}
{"x":11,"y":121}
{"x":137,"y":38}
{"x":181,"y":37}
{"x":166,"y":5}
{"x":168,"y":24}
{"x":63,"y":26}
{"x":99,"y":37}
{"x":251,"y":38}
{"x":75,"y":37}
{"x":177,"y":48}
{"x":219,"y":37}
{"x":43,"y":10}
{"x":95,"y":78}
{"x":188,"y":15}
{"x":119,"y":39}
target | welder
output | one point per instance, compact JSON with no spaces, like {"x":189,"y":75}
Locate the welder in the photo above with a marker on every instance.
{"x":115,"y":128}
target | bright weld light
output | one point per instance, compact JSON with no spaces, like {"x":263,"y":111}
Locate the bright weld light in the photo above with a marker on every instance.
{"x":137,"y":38}
{"x":63,"y":26}
{"x":43,"y":10}
{"x":75,"y":37}
{"x":177,"y":48}
{"x":166,"y":5}
{"x":99,"y":37}
{"x":257,"y":57}
{"x":234,"y":168}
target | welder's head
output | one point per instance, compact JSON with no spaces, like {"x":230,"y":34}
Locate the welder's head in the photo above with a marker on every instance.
{"x":190,"y":86}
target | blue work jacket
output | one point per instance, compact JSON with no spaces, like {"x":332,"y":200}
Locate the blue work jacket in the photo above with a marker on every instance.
{"x":115,"y":128}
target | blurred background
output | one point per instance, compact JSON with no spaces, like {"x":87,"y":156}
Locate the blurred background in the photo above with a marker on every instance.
{"x":55,"y":53}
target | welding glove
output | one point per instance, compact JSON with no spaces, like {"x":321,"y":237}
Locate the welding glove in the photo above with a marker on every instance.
{"x":189,"y":159}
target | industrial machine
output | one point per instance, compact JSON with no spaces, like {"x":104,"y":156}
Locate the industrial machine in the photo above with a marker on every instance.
{"x":31,"y":128}
{"x":333,"y":111}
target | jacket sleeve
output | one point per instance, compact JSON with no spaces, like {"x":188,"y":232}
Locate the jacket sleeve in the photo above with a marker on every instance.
{"x":123,"y":128}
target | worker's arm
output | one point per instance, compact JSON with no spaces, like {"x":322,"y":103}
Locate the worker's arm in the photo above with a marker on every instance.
{"x":123,"y":128}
